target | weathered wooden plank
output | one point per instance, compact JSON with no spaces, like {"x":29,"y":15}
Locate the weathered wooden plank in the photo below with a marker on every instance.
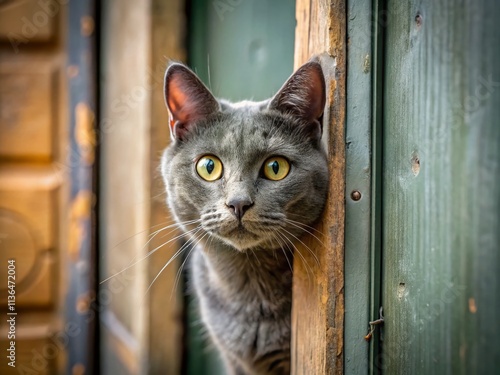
{"x":358,"y":186}
{"x":441,"y":198}
{"x":165,"y":302}
{"x":318,"y":291}
{"x":124,"y":191}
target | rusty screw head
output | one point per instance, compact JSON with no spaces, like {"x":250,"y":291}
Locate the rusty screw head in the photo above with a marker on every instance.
{"x":355,"y":195}
{"x":419,"y":20}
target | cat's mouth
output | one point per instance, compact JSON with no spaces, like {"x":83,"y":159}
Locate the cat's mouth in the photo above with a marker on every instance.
{"x":240,"y":237}
{"x":249,"y":233}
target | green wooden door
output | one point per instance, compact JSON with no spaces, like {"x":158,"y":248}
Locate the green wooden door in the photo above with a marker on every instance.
{"x":441,"y":192}
{"x":241,"y":50}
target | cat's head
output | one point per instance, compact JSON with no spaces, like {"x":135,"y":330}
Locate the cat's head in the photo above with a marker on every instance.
{"x":250,"y":174}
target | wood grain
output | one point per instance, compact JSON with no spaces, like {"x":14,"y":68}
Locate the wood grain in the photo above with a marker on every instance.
{"x":318,"y":291}
{"x":166,"y":302}
{"x":441,"y":201}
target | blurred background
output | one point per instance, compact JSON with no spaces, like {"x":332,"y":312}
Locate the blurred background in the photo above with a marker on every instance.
{"x":83,"y":124}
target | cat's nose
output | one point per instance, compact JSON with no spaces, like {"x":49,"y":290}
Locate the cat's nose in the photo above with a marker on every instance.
{"x":239,"y":206}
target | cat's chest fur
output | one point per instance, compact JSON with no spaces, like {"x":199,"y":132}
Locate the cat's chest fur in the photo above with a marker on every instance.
{"x":248,"y":311}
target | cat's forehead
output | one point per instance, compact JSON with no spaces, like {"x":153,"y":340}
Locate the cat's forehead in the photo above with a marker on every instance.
{"x":246,"y":132}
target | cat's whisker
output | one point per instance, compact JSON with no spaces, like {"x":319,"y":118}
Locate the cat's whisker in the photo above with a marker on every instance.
{"x":179,"y":271}
{"x":287,"y":260}
{"x":209,"y":245}
{"x":157,"y":195}
{"x":309,"y":271}
{"x":176,"y":226}
{"x":283,"y":246}
{"x":305,"y":230}
{"x":140,"y":232}
{"x":179,"y":226}
{"x":208,"y":69}
{"x":307,"y":247}
{"x":154,"y":234}
{"x":320,"y":233}
{"x":213,"y":213}
{"x":147,"y":255}
{"x":307,"y":266}
{"x":256,"y":258}
{"x":191,"y":245}
{"x":211,"y":240}
{"x":177,"y":254}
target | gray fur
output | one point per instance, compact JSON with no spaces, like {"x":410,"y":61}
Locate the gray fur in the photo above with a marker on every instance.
{"x":243,"y":277}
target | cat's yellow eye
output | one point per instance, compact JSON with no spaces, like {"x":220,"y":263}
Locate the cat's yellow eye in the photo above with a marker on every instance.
{"x":209,"y":168}
{"x":276,"y":168}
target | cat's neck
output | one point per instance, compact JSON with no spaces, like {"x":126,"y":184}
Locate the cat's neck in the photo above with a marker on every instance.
{"x":264,"y":271}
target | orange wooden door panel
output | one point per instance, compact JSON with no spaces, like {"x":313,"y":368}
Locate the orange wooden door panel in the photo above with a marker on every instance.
{"x":29,"y":221}
{"x":33,"y":187}
{"x":25,"y":21}
{"x":28,"y":109}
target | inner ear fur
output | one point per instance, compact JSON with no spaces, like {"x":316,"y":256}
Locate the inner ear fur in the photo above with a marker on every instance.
{"x":187,"y":98}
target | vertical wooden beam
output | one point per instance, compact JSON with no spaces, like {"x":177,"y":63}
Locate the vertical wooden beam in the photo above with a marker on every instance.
{"x":124,"y":191}
{"x":81,"y":231}
{"x":318,"y":291}
{"x":165,"y":303}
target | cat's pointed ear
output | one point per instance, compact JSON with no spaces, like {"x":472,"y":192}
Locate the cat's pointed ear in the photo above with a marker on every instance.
{"x":187,"y":98}
{"x":303,"y":96}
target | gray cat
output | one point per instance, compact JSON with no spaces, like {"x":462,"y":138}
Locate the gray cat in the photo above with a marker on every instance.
{"x":245,"y":180}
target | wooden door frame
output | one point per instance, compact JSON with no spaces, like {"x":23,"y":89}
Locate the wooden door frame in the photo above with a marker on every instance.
{"x":331,"y":311}
{"x":134,"y":127}
{"x":166,"y":330}
{"x":318,"y":306}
